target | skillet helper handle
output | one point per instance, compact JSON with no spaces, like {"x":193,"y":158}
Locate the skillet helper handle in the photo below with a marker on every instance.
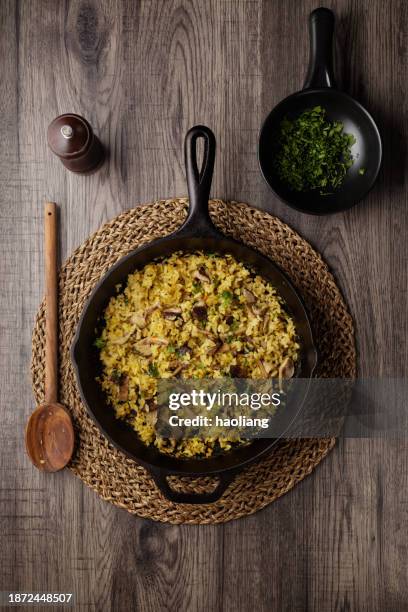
{"x":199,"y":181}
{"x":179,"y":497}
{"x":51,"y":302}
{"x":320,"y":73}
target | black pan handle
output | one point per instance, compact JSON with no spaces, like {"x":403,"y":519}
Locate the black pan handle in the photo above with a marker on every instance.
{"x":178,"y":497}
{"x":198,"y":222}
{"x":320,"y":73}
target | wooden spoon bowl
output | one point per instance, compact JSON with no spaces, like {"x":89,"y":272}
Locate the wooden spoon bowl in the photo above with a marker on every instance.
{"x":49,"y":437}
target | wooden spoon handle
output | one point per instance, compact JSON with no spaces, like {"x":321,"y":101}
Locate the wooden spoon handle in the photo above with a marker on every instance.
{"x":51,"y":303}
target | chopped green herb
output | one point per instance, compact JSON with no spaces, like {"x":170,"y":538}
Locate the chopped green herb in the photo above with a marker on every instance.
{"x":116,"y":377}
{"x":171,"y":348}
{"x":196,"y":287}
{"x":313,"y":153}
{"x":362,"y":171}
{"x":153,"y":370}
{"x":99,"y":342}
{"x":226,"y":297}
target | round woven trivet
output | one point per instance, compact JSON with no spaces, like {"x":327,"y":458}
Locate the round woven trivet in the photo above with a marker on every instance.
{"x":108,"y":471}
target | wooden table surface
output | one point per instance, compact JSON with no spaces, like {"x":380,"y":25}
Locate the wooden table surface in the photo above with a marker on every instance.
{"x":143,"y":72}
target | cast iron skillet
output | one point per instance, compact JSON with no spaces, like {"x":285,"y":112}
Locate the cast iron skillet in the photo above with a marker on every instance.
{"x":320,"y":90}
{"x":197,"y":233}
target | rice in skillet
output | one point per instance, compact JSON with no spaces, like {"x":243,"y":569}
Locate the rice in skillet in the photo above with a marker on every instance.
{"x":190,"y":316}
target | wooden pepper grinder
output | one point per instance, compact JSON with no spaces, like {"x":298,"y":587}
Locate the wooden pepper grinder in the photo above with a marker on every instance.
{"x":71,"y":138}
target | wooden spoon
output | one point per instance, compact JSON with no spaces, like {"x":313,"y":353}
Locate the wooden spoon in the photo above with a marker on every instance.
{"x":49,"y":435}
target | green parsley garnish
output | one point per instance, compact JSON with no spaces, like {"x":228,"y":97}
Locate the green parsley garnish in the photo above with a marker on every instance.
{"x":116,"y":376}
{"x":362,"y":171}
{"x":313,"y":153}
{"x":196,"y":287}
{"x":99,"y":342}
{"x":153,"y":370}
{"x":226,"y":297}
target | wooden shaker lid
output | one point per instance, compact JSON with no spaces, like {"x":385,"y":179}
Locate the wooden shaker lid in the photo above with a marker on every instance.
{"x":71,"y":138}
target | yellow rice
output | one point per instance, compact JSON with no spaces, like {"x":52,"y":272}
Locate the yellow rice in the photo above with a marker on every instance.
{"x":155,"y":328}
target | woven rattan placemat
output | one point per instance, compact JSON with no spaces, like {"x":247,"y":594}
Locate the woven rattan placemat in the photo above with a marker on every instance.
{"x":108,"y":471}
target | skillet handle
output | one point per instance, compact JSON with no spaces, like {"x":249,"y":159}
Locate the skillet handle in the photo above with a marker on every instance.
{"x":320,"y":73}
{"x":178,"y":497}
{"x":198,"y":222}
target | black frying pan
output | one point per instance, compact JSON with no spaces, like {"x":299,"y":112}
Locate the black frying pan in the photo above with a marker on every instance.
{"x":197,"y":233}
{"x":320,"y":89}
